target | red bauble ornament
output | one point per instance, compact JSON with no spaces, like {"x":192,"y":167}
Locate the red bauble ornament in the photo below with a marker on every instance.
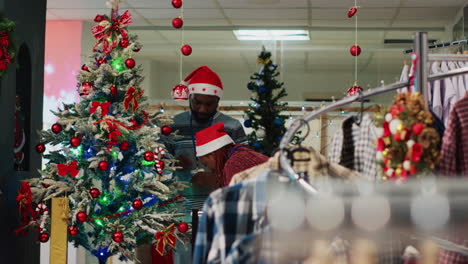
{"x":75,"y":142}
{"x":118,"y":237}
{"x":354,"y":90}
{"x":94,"y":192}
{"x":130,"y":63}
{"x":43,"y":237}
{"x":177,"y":3}
{"x":101,"y":61}
{"x":124,"y":145}
{"x":86,"y":87}
{"x":85,"y":67}
{"x":56,"y":128}
{"x":352,"y":11}
{"x":355,"y":50}
{"x":113,"y":90}
{"x":148,"y":156}
{"x":81,"y":216}
{"x":417,"y":128}
{"x":124,"y":43}
{"x":137,"y":204}
{"x":180,"y":92}
{"x":177,"y":22}
{"x":40,"y":148}
{"x":137,"y":50}
{"x":73,"y":230}
{"x":182,"y":227}
{"x":99,"y":18}
{"x":103,"y":165}
{"x":166,"y":130}
{"x":186,"y":50}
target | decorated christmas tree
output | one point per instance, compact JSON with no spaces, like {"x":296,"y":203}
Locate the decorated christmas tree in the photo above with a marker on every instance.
{"x":108,"y":161}
{"x":264,"y":115}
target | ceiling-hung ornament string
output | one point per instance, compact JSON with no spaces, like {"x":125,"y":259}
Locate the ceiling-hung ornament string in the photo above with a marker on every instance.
{"x":355,"y":50}
{"x":180,"y":92}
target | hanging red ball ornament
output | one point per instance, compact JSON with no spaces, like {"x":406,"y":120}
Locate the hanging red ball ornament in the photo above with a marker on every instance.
{"x":177,"y":3}
{"x":355,"y":50}
{"x":352,"y":11}
{"x":148,"y":156}
{"x":40,"y":148}
{"x":73,"y":230}
{"x":354,"y":90}
{"x":81,"y":216}
{"x":113,"y":91}
{"x":136,"y":50}
{"x":186,"y":50}
{"x":75,"y":142}
{"x":124,"y":145}
{"x":94,"y":192}
{"x":118,"y":237}
{"x":86,"y":88}
{"x":43,"y":237}
{"x":130,"y":63}
{"x":137,"y":204}
{"x":103,"y":165}
{"x":85,"y":67}
{"x":124,"y":43}
{"x":56,"y":128}
{"x":166,"y":130}
{"x":182,"y":227}
{"x":177,"y":22}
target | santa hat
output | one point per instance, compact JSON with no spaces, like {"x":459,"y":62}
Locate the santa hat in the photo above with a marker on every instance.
{"x":203,"y":80}
{"x":211,"y":139}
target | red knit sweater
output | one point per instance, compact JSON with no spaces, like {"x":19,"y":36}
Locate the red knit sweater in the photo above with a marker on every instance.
{"x":242,"y":159}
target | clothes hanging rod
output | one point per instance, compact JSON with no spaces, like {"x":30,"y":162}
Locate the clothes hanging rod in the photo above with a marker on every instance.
{"x":442,"y":45}
{"x":447,"y":57}
{"x":296,"y":124}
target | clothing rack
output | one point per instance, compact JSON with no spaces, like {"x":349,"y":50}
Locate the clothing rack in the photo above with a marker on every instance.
{"x":442,"y":45}
{"x":419,"y":46}
{"x":447,"y":57}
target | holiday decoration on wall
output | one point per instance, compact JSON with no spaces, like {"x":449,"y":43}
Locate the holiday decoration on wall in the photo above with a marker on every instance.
{"x":265,"y":111}
{"x":7,"y":47}
{"x":109,"y":161}
{"x":408,"y":144}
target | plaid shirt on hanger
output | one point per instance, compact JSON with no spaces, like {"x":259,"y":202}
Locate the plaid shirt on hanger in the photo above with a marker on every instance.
{"x":353,"y":146}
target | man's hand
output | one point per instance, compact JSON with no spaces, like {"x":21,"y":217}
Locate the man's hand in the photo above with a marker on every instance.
{"x":184,"y":162}
{"x":204,"y":179}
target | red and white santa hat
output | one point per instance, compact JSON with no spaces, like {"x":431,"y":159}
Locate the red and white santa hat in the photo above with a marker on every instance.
{"x":203,"y":80}
{"x":211,"y":139}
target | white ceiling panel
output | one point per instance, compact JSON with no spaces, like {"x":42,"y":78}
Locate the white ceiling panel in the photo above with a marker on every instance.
{"x":167,"y":4}
{"x":188,"y":14}
{"x":349,"y":23}
{"x":433,"y":3}
{"x":441,"y":14}
{"x":251,"y":14}
{"x":263,"y":4}
{"x":269,"y":22}
{"x":78,"y":13}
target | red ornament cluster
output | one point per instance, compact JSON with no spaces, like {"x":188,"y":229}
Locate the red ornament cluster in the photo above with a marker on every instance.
{"x":73,"y":230}
{"x":354,"y":90}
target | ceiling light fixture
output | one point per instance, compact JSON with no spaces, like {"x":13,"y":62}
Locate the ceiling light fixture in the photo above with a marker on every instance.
{"x":269,"y":34}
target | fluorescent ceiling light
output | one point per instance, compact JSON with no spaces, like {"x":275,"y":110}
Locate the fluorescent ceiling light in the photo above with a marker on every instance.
{"x":267,"y":34}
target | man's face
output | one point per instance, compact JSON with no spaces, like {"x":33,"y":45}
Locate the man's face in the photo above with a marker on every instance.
{"x":203,"y":106}
{"x":209,"y":161}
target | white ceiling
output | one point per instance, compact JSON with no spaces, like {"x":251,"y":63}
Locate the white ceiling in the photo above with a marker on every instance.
{"x":209,"y":24}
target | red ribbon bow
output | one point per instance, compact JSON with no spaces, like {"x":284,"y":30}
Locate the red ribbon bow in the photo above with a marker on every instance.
{"x":131,"y":97}
{"x":24,"y":200}
{"x":165,"y":237}
{"x":104,"y":107}
{"x":106,"y":30}
{"x":113,"y":135}
{"x":71,"y":168}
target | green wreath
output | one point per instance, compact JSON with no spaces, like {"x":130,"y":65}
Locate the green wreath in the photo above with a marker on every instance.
{"x":7,"y":46}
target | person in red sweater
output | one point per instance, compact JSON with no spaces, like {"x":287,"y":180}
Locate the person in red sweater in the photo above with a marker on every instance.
{"x":217,"y":151}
